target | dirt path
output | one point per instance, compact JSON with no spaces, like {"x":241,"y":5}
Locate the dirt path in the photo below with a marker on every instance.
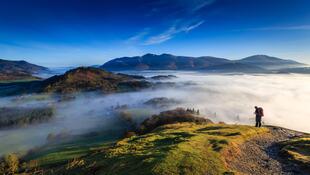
{"x":260,"y":155}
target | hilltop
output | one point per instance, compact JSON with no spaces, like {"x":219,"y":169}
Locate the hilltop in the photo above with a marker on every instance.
{"x":185,"y":146}
{"x":82,"y":79}
{"x":255,"y":63}
{"x":92,"y":79}
{"x":17,"y":70}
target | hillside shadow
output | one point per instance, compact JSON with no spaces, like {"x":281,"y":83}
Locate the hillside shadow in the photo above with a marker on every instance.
{"x":218,"y":133}
{"x":209,"y":128}
{"x":217,"y":145}
{"x":179,"y":137}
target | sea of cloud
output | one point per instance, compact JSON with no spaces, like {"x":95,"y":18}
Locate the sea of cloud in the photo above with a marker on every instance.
{"x":227,"y":97}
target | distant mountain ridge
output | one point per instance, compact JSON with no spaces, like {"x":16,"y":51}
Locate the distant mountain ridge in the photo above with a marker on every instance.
{"x":13,"y":70}
{"x":268,"y":61}
{"x":81,"y":79}
{"x":163,"y":62}
{"x":204,"y":63}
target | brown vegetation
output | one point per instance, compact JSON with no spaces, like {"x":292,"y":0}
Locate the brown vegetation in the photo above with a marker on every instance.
{"x":178,"y":115}
{"x":91,"y":79}
{"x":9,"y":164}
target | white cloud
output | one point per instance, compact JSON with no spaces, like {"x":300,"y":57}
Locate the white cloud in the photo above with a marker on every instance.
{"x":183,"y":15}
{"x":138,"y":36}
{"x":189,"y":28}
{"x":171,"y":32}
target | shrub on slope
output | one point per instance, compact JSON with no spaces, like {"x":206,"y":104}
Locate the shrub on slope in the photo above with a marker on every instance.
{"x":178,"y":115}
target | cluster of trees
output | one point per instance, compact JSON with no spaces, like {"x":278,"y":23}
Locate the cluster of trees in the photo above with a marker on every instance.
{"x":193,"y":111}
{"x":21,"y":116}
{"x":177,"y":115}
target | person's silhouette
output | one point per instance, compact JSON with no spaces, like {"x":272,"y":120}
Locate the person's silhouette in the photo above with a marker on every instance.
{"x":258,"y":116}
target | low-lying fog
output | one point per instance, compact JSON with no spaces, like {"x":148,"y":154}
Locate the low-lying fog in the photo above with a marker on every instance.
{"x":228,"y":98}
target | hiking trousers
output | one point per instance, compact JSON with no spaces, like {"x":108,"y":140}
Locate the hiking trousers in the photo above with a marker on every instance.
{"x":258,"y":121}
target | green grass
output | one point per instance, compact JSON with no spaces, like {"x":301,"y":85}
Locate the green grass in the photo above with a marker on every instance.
{"x":298,"y":151}
{"x":60,"y":153}
{"x":19,"y":80}
{"x":185,"y":148}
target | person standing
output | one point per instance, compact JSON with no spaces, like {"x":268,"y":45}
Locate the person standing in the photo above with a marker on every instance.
{"x":259,"y":113}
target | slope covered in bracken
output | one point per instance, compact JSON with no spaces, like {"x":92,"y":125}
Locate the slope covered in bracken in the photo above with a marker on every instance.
{"x":82,"y":79}
{"x":91,"y":79}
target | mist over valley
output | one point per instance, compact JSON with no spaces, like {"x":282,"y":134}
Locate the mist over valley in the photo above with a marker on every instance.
{"x":154,"y":87}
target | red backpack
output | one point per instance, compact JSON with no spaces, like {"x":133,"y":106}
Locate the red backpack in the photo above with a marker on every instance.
{"x":261,"y":111}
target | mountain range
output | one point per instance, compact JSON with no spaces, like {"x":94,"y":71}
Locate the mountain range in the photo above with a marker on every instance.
{"x":19,"y":70}
{"x":255,"y":63}
{"x":22,"y":70}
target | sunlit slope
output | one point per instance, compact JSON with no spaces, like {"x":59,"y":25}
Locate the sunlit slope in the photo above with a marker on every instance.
{"x":172,"y":142}
{"x":18,"y":70}
{"x":185,"y":148}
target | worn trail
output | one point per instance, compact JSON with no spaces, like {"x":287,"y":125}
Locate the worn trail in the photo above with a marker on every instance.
{"x":260,"y":155}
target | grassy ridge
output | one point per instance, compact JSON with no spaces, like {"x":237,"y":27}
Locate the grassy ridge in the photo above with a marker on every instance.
{"x":185,"y":148}
{"x":177,"y":149}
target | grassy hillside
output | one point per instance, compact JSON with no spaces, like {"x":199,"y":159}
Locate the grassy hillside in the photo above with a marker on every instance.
{"x":181,"y":148}
{"x":90,"y":79}
{"x":173,"y":142}
{"x":18,"y":70}
{"x":185,"y":148}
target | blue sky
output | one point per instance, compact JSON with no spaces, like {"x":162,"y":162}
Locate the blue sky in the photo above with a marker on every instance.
{"x":87,"y":32}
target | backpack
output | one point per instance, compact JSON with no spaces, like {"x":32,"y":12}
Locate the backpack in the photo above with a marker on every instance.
{"x":261,"y":111}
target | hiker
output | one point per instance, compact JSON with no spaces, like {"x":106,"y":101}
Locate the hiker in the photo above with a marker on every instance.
{"x":259,"y":113}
